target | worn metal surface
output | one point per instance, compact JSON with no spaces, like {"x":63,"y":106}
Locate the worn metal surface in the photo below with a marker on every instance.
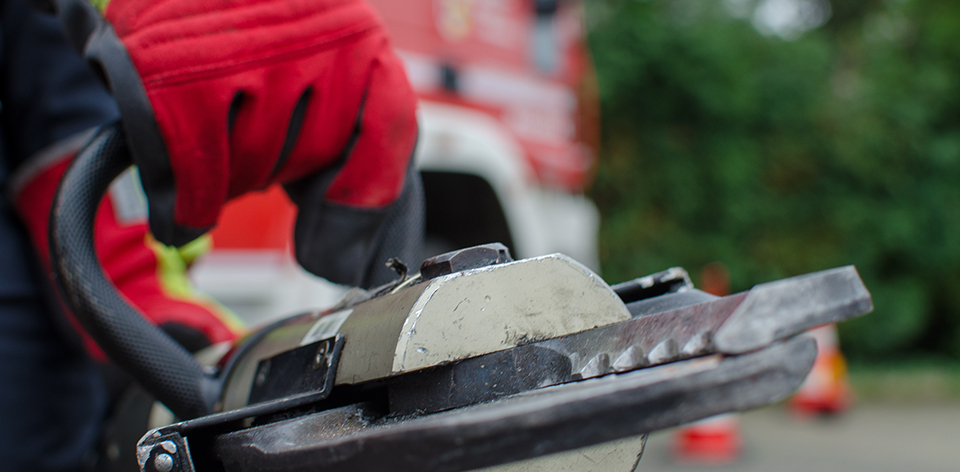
{"x":680,"y":333}
{"x":479,"y":311}
{"x":783,"y":308}
{"x":645,"y":341}
{"x":529,"y":425}
{"x":731,"y":325}
{"x":479,"y":380}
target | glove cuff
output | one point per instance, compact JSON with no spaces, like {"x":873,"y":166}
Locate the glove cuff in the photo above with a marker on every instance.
{"x":151,"y":276}
{"x":46,"y":159}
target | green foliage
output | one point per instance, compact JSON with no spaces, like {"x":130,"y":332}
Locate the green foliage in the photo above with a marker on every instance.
{"x":783,"y":157}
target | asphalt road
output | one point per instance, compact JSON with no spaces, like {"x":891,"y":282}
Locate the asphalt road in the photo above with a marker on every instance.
{"x":875,"y":437}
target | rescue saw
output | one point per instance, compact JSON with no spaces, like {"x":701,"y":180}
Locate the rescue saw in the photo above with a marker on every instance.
{"x":477,"y":361}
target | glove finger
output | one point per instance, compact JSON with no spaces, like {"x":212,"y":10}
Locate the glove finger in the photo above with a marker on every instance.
{"x":373,"y":176}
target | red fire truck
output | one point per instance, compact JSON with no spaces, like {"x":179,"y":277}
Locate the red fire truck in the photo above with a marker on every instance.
{"x":508,"y":127}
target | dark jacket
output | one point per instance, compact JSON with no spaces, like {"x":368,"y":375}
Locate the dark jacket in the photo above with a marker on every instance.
{"x":47,"y":93}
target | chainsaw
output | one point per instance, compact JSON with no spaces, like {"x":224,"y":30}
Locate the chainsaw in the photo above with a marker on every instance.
{"x":476,"y":362}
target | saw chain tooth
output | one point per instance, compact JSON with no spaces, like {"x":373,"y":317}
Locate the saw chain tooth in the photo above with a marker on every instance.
{"x":664,"y":352}
{"x":698,"y":344}
{"x":630,"y":359}
{"x":599,"y":365}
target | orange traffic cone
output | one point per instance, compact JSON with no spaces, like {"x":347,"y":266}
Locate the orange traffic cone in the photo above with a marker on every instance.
{"x":826,"y":391}
{"x":716,"y":440}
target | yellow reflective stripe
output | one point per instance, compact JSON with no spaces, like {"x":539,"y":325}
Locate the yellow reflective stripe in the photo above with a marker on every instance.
{"x":194,"y":249}
{"x":172,"y":272}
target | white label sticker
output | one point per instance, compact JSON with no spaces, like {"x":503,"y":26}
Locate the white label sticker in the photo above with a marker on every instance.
{"x":326,"y":327}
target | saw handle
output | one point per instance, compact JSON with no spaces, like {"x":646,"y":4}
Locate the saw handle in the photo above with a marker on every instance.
{"x":154,"y":359}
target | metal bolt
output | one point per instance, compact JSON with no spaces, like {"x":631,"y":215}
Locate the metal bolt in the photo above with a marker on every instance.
{"x":170,"y":446}
{"x":163,"y":463}
{"x":463,"y":259}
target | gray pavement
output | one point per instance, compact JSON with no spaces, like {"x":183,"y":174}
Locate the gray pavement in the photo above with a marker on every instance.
{"x":876,"y":437}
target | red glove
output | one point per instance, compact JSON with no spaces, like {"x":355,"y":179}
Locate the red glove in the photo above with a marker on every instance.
{"x":150,"y":275}
{"x":221,"y":97}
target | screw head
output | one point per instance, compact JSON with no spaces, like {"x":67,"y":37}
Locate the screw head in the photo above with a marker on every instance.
{"x":163,"y":462}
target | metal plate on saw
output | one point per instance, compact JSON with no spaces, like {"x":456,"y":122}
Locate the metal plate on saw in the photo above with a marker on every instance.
{"x":523,"y":426}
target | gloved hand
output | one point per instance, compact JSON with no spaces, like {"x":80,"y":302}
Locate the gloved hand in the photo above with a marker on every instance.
{"x":150,"y":275}
{"x":221,"y":97}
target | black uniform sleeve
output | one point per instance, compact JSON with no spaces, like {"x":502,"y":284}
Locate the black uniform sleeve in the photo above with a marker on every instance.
{"x":47,"y":93}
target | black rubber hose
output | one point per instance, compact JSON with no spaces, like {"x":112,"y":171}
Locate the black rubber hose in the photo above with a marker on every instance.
{"x":162,"y":366}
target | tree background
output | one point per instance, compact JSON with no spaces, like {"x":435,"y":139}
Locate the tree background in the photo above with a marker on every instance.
{"x":784,"y":148}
